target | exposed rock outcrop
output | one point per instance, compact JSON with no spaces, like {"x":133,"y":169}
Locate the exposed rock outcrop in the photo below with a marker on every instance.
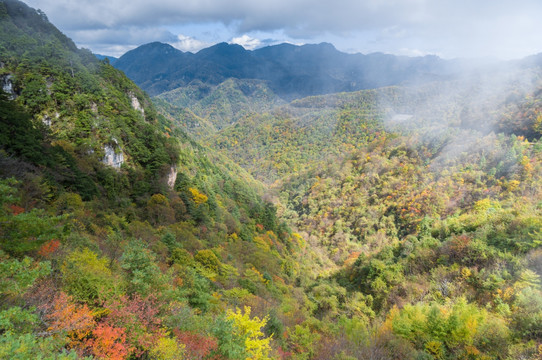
{"x":114,"y":156}
{"x":7,"y":85}
{"x":46,"y":119}
{"x":172,"y":177}
{"x":136,"y":104}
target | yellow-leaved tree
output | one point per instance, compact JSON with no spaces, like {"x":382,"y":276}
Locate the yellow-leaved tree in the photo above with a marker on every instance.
{"x":198,"y":197}
{"x":256,"y":344}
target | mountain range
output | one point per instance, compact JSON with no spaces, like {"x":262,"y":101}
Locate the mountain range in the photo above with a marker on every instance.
{"x":290,"y":71}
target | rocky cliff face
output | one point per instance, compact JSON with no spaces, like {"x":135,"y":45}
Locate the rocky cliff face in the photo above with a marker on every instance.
{"x":172,"y":177}
{"x":114,"y":156}
{"x":7,"y":86}
{"x":136,"y":104}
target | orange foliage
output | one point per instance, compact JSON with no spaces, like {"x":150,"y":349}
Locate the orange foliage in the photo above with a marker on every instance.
{"x":284,"y":354}
{"x":109,"y":343}
{"x":352,"y":258}
{"x":458,"y":247}
{"x":139,"y":317}
{"x":197,"y":346}
{"x":16,"y":210}
{"x":49,"y":247}
{"x":65,"y":316}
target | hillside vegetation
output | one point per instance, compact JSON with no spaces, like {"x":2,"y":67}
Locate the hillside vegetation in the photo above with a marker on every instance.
{"x":167,"y":251}
{"x":421,"y":203}
{"x":217,"y":222}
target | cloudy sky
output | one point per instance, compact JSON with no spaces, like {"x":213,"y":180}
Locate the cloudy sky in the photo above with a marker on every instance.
{"x":505,"y":29}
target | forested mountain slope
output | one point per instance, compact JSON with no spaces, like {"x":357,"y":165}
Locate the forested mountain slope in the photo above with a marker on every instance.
{"x":120,"y":236}
{"x":307,"y":132}
{"x":225,"y":103}
{"x":290,"y":71}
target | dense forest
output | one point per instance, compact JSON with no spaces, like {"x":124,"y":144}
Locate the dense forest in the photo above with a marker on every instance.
{"x":219,"y":222}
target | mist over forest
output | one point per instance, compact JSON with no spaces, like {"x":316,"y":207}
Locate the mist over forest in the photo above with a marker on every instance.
{"x":265,"y":201}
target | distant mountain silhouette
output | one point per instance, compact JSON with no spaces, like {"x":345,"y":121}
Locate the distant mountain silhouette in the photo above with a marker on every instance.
{"x":291,"y":71}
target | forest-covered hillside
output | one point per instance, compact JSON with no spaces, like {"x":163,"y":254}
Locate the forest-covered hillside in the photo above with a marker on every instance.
{"x":223,"y":104}
{"x":422,"y":203}
{"x":120,"y":236}
{"x":217,"y":222}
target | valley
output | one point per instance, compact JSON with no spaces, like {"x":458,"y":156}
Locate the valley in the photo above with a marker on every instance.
{"x":289,"y":202}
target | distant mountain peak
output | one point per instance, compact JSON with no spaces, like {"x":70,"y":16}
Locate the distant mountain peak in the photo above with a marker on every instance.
{"x":291,"y":71}
{"x":156,"y":46}
{"x":323,"y":45}
{"x":223,"y":49}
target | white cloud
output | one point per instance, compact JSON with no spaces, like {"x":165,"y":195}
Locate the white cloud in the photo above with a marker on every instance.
{"x":188,"y":43}
{"x":412,"y":52}
{"x":247,"y":42}
{"x":109,"y":50}
{"x":117,"y":41}
{"x":453,"y":28}
{"x":124,"y":35}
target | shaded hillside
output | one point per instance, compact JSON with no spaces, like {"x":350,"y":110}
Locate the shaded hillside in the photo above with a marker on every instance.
{"x":291,"y":71}
{"x":185,"y":119}
{"x":142,"y":65}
